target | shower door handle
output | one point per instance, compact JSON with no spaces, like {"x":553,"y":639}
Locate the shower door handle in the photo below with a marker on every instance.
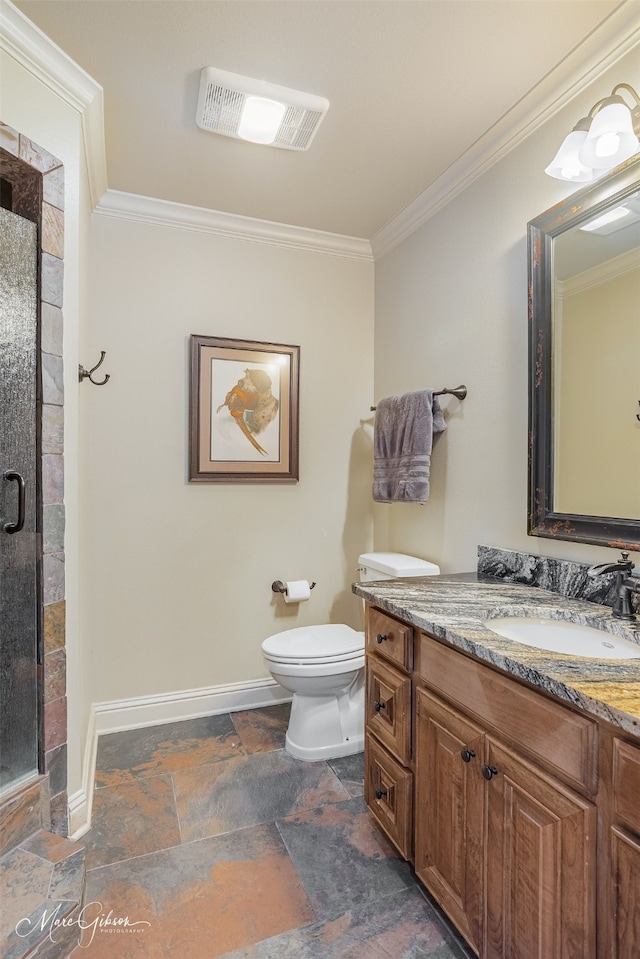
{"x":19,"y":479}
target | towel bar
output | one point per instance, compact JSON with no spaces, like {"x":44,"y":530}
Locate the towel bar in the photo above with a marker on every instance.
{"x":459,"y":392}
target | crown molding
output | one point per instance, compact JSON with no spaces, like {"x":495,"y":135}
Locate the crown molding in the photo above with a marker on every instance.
{"x":619,"y":34}
{"x":144,"y":209}
{"x":37,"y":54}
{"x":22,"y":40}
{"x":609,"y":270}
{"x":34,"y":51}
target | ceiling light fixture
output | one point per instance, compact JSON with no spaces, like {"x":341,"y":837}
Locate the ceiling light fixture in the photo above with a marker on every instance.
{"x":247,"y":109}
{"x":607,"y":136}
{"x":611,"y":216}
{"x":627,"y":214}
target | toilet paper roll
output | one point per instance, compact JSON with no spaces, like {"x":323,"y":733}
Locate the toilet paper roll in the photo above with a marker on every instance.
{"x":297,"y":591}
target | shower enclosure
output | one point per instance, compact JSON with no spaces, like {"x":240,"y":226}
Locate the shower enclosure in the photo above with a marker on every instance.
{"x":20,"y":541}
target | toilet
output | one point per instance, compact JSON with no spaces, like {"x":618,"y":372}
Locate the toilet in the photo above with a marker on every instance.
{"x":323,"y":666}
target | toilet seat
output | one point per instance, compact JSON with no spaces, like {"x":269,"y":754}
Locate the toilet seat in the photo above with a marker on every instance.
{"x":332,"y":643}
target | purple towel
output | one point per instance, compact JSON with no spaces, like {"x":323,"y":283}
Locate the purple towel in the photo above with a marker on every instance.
{"x":402,"y":442}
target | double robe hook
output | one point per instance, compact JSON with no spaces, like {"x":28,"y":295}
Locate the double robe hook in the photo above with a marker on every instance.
{"x":82,"y":373}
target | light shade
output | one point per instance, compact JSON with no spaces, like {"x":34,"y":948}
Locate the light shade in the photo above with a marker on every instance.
{"x":566,"y":164}
{"x":261,"y":119}
{"x":611,"y":138}
{"x":606,"y":137}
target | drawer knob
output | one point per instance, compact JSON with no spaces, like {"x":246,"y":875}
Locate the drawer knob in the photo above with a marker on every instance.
{"x":380,"y":638}
{"x":380,"y":793}
{"x":489,"y":772}
{"x":378,"y":706}
{"x":467,"y":754}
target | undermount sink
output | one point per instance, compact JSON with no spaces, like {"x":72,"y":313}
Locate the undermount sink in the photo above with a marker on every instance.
{"x":559,"y":636}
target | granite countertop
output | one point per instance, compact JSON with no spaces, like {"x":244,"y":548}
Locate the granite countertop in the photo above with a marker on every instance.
{"x":453,"y":607}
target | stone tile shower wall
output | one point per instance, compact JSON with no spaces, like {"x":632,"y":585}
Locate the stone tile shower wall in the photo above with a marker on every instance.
{"x":45,"y":207}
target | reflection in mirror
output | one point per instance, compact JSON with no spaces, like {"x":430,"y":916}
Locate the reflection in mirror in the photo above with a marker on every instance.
{"x":596,"y":376}
{"x":584,"y":261}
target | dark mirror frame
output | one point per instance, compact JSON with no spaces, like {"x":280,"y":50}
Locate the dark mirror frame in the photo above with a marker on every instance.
{"x":542,"y":519}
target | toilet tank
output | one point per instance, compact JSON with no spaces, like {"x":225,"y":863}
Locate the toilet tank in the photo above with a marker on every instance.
{"x":372,"y":566}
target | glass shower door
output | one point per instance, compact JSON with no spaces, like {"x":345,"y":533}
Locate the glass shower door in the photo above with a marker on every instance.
{"x":19,"y":539}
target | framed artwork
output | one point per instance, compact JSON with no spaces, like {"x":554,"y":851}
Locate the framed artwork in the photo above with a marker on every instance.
{"x":243,"y":411}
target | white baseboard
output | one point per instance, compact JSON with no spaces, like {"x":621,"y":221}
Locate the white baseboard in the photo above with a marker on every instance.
{"x":80,"y":802}
{"x":121,"y":714}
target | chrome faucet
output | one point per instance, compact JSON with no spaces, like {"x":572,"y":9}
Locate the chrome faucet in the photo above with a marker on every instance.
{"x":625,"y":584}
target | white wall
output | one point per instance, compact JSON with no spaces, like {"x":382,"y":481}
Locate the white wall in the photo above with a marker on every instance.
{"x":30,"y":106}
{"x":179,"y":589}
{"x":451,"y":307}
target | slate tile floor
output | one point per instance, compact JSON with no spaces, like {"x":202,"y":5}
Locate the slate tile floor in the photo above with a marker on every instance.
{"x":217,"y":843}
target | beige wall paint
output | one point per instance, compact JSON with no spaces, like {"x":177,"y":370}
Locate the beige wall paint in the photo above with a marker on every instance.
{"x":598,"y":438}
{"x":451,"y":307}
{"x":34,"y":110}
{"x":180,"y":587}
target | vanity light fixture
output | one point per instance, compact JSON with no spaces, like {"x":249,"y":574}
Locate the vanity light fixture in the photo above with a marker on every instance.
{"x":255,"y":110}
{"x":607,"y":136}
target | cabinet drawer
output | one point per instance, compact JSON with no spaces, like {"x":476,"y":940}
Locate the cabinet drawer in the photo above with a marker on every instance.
{"x":388,"y":707}
{"x":626,"y":783}
{"x":561,"y":740}
{"x":389,"y":638}
{"x":389,"y":795}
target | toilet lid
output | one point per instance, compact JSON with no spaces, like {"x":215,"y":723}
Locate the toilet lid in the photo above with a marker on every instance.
{"x":317,"y":644}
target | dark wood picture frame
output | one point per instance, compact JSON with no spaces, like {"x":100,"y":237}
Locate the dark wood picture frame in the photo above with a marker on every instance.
{"x":243,"y":411}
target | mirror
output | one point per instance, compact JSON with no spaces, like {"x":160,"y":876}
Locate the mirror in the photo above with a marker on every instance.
{"x":584,"y":364}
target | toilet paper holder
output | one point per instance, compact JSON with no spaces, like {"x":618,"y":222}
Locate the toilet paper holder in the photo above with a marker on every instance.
{"x":279,"y":587}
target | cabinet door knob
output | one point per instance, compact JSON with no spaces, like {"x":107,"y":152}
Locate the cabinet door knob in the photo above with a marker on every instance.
{"x":378,"y":706}
{"x":467,"y":754}
{"x":380,"y":638}
{"x":489,"y":772}
{"x":380,"y":793}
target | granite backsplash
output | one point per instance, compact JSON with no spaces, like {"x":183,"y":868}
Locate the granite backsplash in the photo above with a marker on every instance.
{"x":563,"y":576}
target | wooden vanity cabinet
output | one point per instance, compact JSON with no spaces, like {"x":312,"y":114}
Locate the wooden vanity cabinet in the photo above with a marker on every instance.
{"x":505,"y":782}
{"x":504,"y":846}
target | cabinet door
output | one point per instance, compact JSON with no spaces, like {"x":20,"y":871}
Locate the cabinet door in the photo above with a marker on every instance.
{"x":448,"y":812}
{"x":625,"y":850}
{"x":626,"y":873}
{"x":540,"y":878}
